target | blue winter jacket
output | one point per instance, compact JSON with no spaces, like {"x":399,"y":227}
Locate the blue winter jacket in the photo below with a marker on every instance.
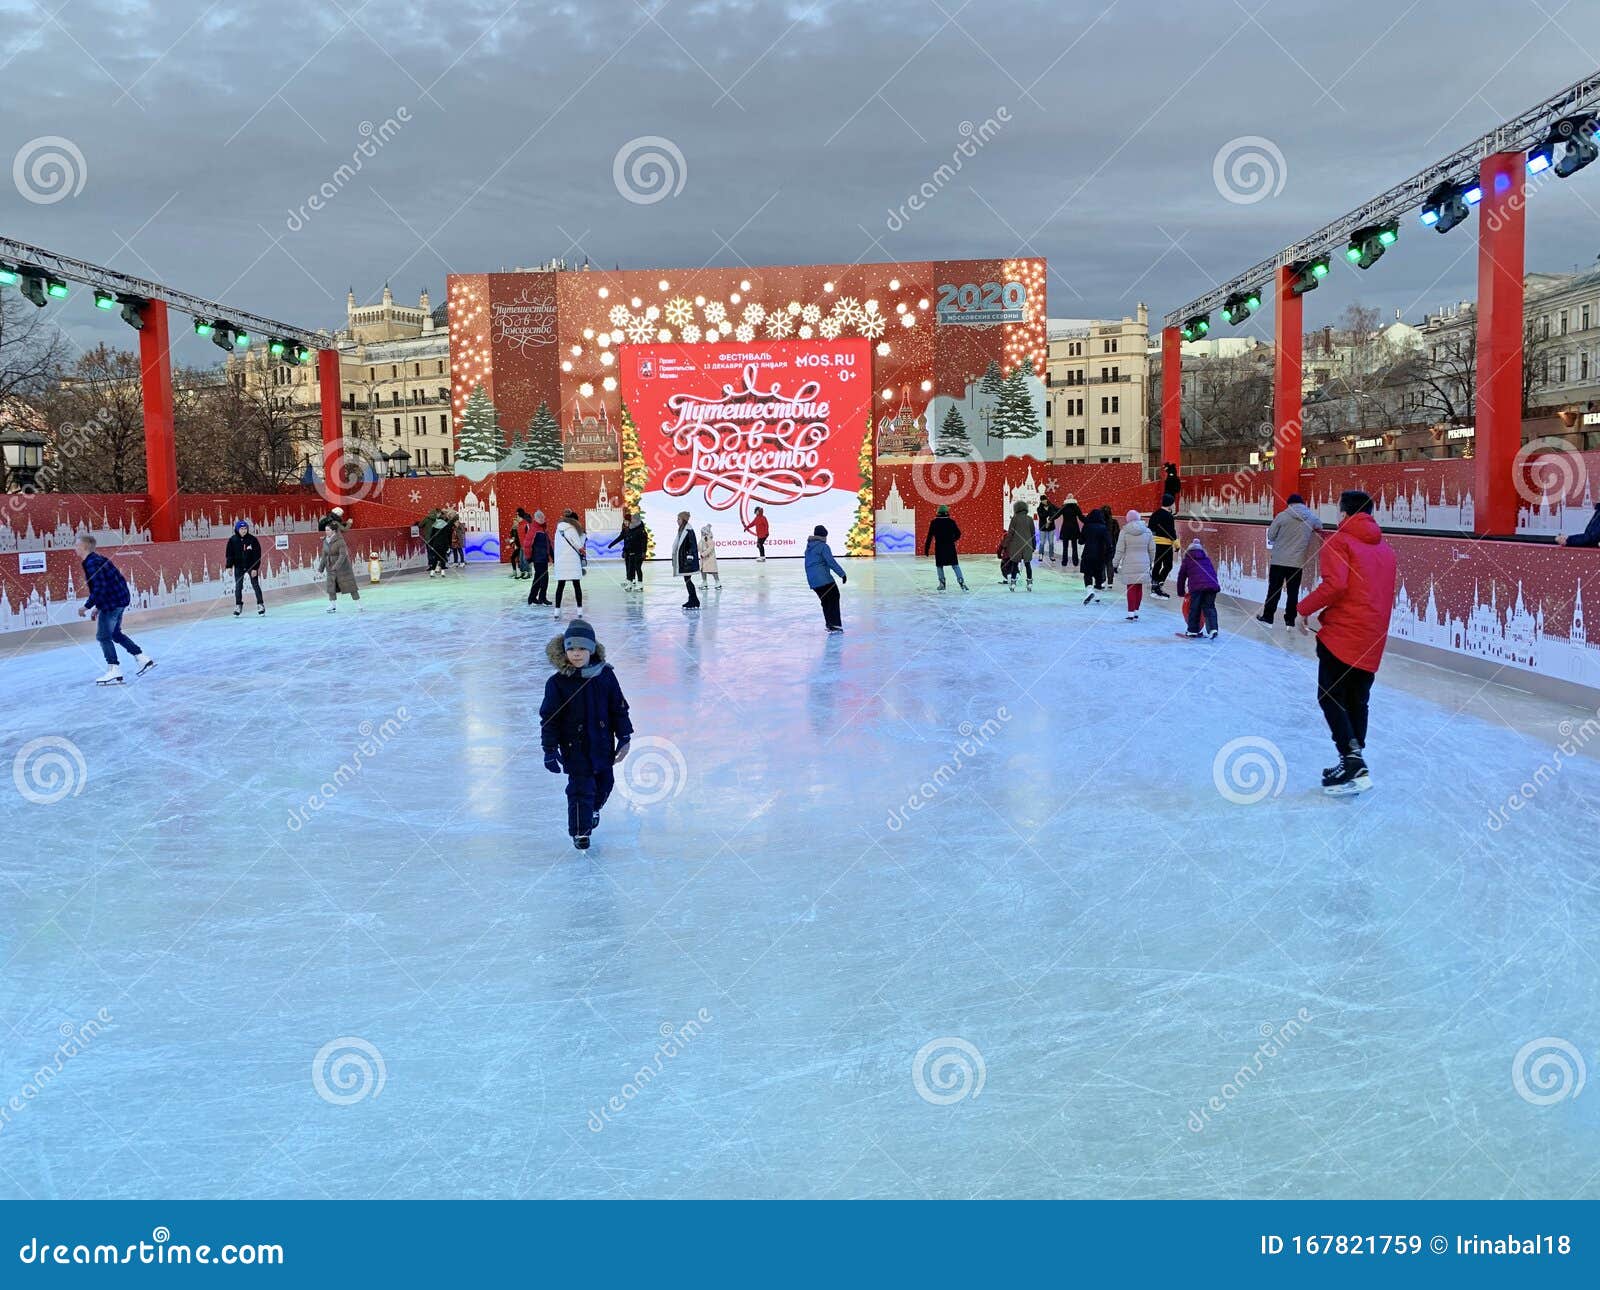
{"x":1591,"y":535}
{"x":819,"y":560}
{"x":108,"y":589}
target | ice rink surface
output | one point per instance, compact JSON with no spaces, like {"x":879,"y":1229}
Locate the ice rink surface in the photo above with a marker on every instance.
{"x":307,"y":910}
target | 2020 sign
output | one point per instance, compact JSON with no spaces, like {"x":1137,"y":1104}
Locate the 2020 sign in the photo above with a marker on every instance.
{"x":972,"y":304}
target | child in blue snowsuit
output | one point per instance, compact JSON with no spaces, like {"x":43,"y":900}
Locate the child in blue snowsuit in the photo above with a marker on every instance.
{"x":584,"y":726}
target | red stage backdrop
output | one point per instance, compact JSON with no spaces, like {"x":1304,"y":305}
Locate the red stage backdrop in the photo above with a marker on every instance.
{"x":954,"y":359}
{"x":727,"y":428}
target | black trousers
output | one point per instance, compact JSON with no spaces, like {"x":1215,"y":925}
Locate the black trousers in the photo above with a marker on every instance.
{"x":1067,"y":542}
{"x":1162,"y":568}
{"x":438,"y":557}
{"x":1279,"y":577}
{"x":539,"y":593}
{"x":694,"y":596}
{"x":1343,"y":692}
{"x":761,"y":548}
{"x":577,"y":590}
{"x":829,"y":596}
{"x":587,"y":791}
{"x":633,"y":566}
{"x":239,"y":575}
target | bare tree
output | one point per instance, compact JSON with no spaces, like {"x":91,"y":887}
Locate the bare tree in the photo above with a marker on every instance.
{"x":33,"y":353}
{"x":94,"y":426}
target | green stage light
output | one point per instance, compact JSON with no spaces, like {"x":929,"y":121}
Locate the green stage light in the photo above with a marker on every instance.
{"x":276,"y":347}
{"x":104,"y":299}
{"x":1240,"y":306}
{"x":241,"y":340}
{"x":1196,"y":327}
{"x":55,"y":288}
{"x":9,"y":277}
{"x":1307,"y":275}
{"x":202,"y":327}
{"x":1367,"y":245}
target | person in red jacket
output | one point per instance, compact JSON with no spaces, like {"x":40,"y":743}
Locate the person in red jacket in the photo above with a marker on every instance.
{"x":760,"y":528}
{"x":1355,"y":599}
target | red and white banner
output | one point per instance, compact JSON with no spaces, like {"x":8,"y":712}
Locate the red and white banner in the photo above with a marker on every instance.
{"x":727,"y":428}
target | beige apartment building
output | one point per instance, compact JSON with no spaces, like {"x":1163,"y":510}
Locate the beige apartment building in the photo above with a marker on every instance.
{"x":1096,"y":389}
{"x":394,"y":374}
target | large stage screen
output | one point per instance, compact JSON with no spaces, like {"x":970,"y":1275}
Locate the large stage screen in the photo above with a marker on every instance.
{"x":727,"y":428}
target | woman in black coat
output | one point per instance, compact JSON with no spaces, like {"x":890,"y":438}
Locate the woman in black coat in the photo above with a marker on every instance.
{"x":1096,"y":554}
{"x":1172,"y":484}
{"x":943,"y":534}
{"x":1071,"y":529}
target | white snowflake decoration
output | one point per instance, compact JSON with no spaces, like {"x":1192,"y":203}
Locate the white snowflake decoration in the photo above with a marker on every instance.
{"x":847,"y":309}
{"x":872,"y":325}
{"x":652,"y":313}
{"x":810,"y":314}
{"x":716,"y":311}
{"x":828,"y":328}
{"x":805,"y":332}
{"x":689,"y":334}
{"x":794,"y":307}
{"x":679,"y":311}
{"x":744,"y":333}
{"x":619,"y":315}
{"x":641,"y":331}
{"x":779,"y":325}
{"x":754,"y":313}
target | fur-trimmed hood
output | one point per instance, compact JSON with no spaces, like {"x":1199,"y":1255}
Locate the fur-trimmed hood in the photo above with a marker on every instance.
{"x":556,"y":652}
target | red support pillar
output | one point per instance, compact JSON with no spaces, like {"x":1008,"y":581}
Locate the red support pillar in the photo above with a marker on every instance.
{"x":160,"y":447}
{"x":333,"y":458}
{"x":1500,"y":358}
{"x":1171,"y":396}
{"x":1286,"y":389}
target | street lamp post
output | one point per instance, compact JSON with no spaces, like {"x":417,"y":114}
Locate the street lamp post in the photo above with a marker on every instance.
{"x":24,"y":456}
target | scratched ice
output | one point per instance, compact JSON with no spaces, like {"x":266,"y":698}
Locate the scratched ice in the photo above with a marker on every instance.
{"x":953,"y":905}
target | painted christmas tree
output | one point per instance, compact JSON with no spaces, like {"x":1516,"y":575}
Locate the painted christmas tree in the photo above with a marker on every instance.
{"x":635,"y":474}
{"x":862,"y":538}
{"x":993,"y":382}
{"x":542,"y":449}
{"x":480,"y":437}
{"x":1014,"y":417}
{"x":953,"y":439}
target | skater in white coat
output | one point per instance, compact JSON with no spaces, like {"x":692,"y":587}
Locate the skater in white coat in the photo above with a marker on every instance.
{"x":567,"y":558}
{"x":708,"y":557}
{"x":1135,"y":557}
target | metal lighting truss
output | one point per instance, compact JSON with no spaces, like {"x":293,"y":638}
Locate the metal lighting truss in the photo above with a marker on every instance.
{"x":1517,"y":135}
{"x":121,"y":284}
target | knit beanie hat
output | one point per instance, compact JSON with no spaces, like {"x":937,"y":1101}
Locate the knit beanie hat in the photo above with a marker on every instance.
{"x":538,"y":517}
{"x":240,"y":524}
{"x":1166,"y":499}
{"x":944,"y":510}
{"x":579,"y":633}
{"x":819,"y":531}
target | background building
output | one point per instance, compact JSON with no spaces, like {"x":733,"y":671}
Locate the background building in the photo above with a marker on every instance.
{"x":1097,"y":389}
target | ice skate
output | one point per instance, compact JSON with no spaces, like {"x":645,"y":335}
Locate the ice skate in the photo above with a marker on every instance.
{"x":237,"y":610}
{"x":1211,"y":634}
{"x":1262,"y":618}
{"x":581,"y":841}
{"x":1156,"y":591}
{"x":333,"y":609}
{"x":113,"y":676}
{"x":1188,"y":636}
{"x":145,"y":663}
{"x":1030,"y":584}
{"x":1088,"y":596}
{"x":260,"y":609}
{"x":556,"y":615}
{"x":1133,"y":618}
{"x":1349,"y":779}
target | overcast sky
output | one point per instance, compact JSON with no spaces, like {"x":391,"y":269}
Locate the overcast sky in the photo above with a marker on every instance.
{"x":203,"y":130}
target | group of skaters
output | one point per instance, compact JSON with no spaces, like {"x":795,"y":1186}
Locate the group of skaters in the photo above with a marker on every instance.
{"x":445,"y":537}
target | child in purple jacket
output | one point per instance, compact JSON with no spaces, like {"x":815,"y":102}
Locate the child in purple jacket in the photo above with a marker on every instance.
{"x":1197,"y":577}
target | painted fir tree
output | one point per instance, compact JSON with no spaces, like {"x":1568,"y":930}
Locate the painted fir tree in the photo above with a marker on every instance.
{"x":1014,"y":417}
{"x":993,"y":382}
{"x":480,"y":437}
{"x":862,"y":537}
{"x":635,"y":474}
{"x":542,"y":448}
{"x":953,"y":438}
